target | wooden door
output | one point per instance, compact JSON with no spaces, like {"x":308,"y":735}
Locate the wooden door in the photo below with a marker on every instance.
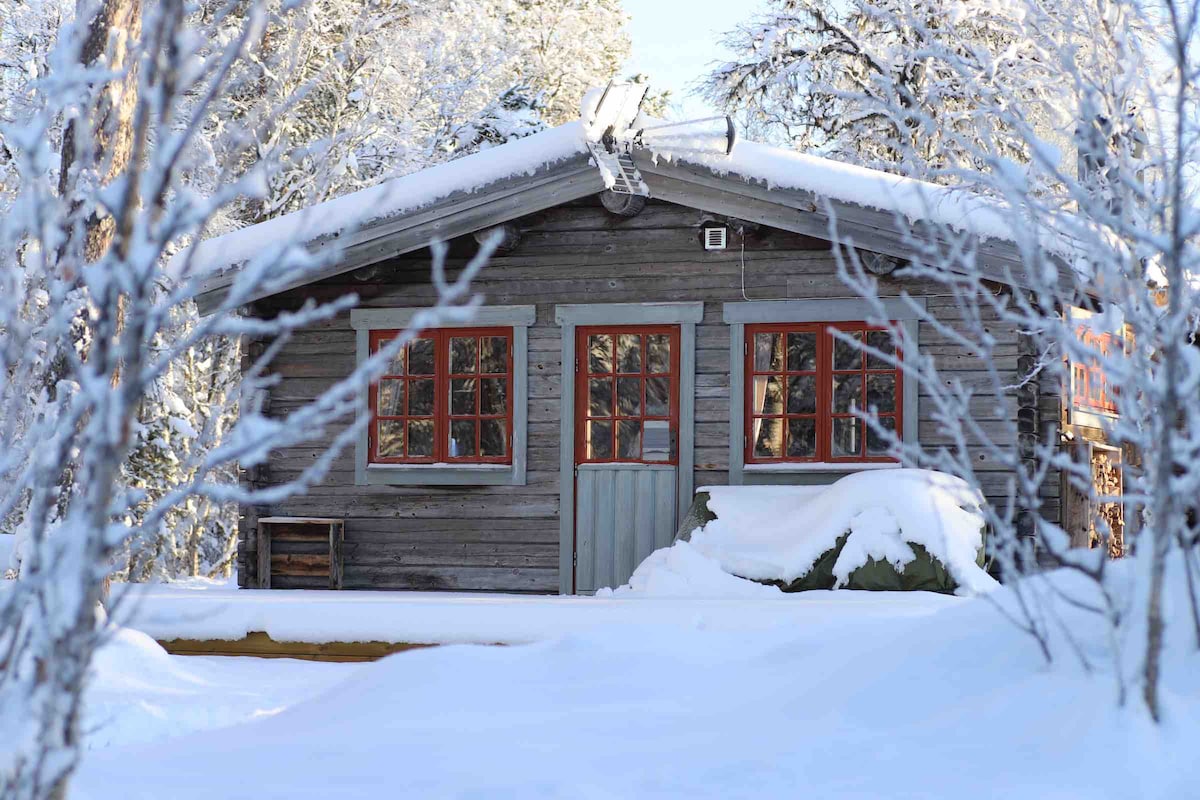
{"x":626,"y":449}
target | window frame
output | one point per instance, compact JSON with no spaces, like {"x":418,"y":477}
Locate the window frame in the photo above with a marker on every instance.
{"x":442,"y":415}
{"x":452,"y":473}
{"x":824,"y":373}
{"x":1081,"y":410}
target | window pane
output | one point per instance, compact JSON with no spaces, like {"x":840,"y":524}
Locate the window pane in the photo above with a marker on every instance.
{"x":462,"y":396}
{"x":629,"y":438}
{"x":396,"y":365}
{"x":801,"y":352}
{"x":847,"y":436}
{"x":847,"y":393}
{"x":391,"y":399}
{"x":881,"y":392}
{"x":600,"y":354}
{"x":877,"y":445}
{"x":881,"y":341}
{"x":493,"y":355}
{"x":846,"y":355}
{"x":658,"y":397}
{"x":493,"y":396}
{"x":768,"y":438}
{"x":391,"y":439}
{"x":658,"y":353}
{"x":420,"y":398}
{"x":420,"y":437}
{"x":599,"y":440}
{"x":462,"y":355}
{"x":462,"y":438}
{"x":768,"y":352}
{"x":629,"y":397}
{"x":802,"y":438}
{"x":600,"y":397}
{"x":493,"y":437}
{"x":802,"y":394}
{"x":629,"y":353}
{"x":768,"y":395}
{"x":420,"y":357}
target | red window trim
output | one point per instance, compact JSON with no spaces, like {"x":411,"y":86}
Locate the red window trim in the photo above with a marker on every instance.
{"x":441,"y":398}
{"x":582,"y":374}
{"x":1091,"y":374}
{"x":824,"y":373}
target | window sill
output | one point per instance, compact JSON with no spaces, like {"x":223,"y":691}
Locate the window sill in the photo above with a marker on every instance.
{"x":442,"y":474}
{"x":822,"y":466}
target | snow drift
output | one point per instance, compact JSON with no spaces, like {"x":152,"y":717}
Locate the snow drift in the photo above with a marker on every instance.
{"x":863,"y":521}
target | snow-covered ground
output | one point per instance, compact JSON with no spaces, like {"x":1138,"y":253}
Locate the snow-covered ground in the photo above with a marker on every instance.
{"x":853,"y":695}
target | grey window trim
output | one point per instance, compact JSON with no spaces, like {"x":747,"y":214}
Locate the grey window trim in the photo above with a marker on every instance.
{"x":485,"y":316}
{"x":738,"y":315}
{"x":519,"y":318}
{"x":685,"y":315}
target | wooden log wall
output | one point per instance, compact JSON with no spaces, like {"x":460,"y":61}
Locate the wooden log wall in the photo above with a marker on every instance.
{"x":506,"y":538}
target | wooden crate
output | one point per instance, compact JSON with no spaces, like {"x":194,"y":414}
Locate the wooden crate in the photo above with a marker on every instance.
{"x":300,"y":552}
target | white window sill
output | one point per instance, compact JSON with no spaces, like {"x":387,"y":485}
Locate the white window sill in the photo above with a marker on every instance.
{"x":441,"y":474}
{"x":822,"y":466}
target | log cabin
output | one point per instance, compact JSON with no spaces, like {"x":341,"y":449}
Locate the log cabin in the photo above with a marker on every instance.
{"x":633,"y":347}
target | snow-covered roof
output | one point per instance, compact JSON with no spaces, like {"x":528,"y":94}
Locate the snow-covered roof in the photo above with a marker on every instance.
{"x":394,"y":197}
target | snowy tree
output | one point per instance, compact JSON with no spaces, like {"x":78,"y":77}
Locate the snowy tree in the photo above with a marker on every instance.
{"x":90,"y":303}
{"x":859,"y":81}
{"x":1106,"y":290}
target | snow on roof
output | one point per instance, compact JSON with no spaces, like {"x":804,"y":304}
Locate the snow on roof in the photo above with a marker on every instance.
{"x":912,"y":199}
{"x":395,"y":196}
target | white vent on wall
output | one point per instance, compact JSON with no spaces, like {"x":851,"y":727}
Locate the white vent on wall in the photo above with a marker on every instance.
{"x":714,"y":238}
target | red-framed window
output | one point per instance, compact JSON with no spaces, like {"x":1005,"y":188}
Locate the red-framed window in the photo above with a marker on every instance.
{"x":1090,"y":389}
{"x":446,"y":398}
{"x":803,"y":387}
{"x":627,"y":394}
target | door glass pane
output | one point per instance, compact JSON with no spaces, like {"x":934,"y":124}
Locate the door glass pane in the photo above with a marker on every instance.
{"x":462,"y":438}
{"x":846,"y":355}
{"x":802,"y":438}
{"x":462,"y":355}
{"x":768,"y":395}
{"x":629,"y":438}
{"x":847,"y":393}
{"x":391,"y":438}
{"x":768,"y":438}
{"x":600,"y":354}
{"x":629,"y":397}
{"x":881,"y":341}
{"x":462,"y":396}
{"x":768,"y":352}
{"x":658,"y":397}
{"x":801,"y":352}
{"x":847,"y":436}
{"x":493,"y":355}
{"x":656,"y":440}
{"x":877,"y":445}
{"x":391,"y":398}
{"x":600,"y":397}
{"x":420,"y":397}
{"x":629,"y":352}
{"x":881,"y":392}
{"x":658,"y":353}
{"x":493,"y":437}
{"x":420,"y":357}
{"x":802,"y":394}
{"x":599,"y":439}
{"x":493,"y":396}
{"x":395,"y":366}
{"x":420,"y":437}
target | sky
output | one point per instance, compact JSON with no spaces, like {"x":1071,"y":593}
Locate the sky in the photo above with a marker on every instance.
{"x":674,"y":42}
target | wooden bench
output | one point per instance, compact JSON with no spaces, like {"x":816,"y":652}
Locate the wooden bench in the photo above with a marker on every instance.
{"x":300,"y":552}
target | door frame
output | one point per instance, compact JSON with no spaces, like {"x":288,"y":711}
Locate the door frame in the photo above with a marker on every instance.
{"x":569,"y":317}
